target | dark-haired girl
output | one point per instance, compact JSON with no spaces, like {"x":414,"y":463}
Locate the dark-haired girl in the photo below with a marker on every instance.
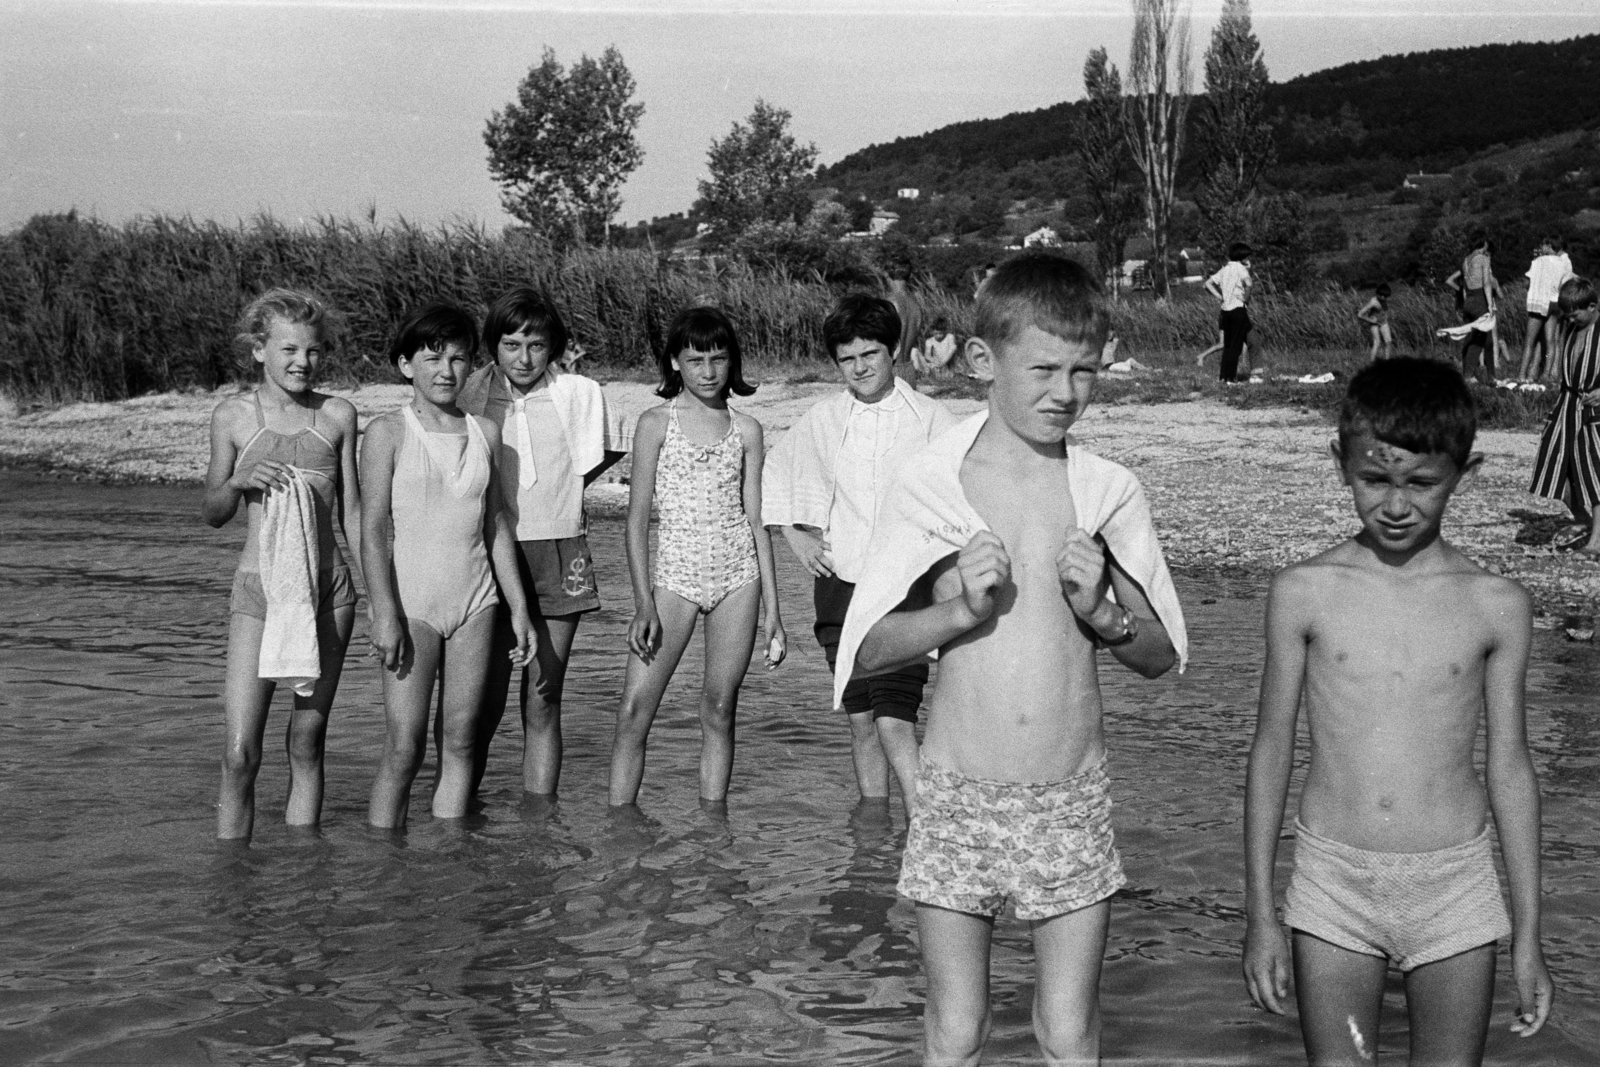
{"x":699,"y":461}
{"x":432,"y":529}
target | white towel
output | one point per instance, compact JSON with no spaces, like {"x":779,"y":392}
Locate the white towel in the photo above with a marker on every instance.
{"x":926,"y":517}
{"x":593,"y":427}
{"x":798,"y":479}
{"x":1484,"y":323}
{"x":288,"y":552}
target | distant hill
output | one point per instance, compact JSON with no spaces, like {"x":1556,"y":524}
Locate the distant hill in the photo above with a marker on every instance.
{"x":1426,"y":110}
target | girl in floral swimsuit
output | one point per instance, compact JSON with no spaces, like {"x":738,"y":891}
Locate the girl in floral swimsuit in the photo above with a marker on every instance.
{"x":699,"y":461}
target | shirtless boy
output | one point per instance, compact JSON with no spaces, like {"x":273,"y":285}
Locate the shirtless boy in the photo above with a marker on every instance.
{"x":1400,"y":643}
{"x":1009,"y":542}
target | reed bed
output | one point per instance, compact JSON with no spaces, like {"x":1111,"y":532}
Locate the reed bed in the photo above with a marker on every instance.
{"x":92,"y":311}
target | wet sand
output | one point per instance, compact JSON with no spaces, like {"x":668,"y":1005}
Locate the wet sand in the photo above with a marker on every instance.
{"x":1232,"y":490}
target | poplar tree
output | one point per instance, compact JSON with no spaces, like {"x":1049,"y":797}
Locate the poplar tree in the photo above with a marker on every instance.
{"x":562,"y":149}
{"x":1107,"y":166}
{"x":1159,"y":80}
{"x":1236,"y":139}
{"x":758,"y":174}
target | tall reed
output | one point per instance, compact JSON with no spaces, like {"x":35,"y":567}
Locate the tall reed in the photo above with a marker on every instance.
{"x":91,"y":311}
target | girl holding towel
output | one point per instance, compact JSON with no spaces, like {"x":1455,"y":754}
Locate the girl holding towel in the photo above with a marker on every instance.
{"x":289,"y":453}
{"x":713,"y":555}
{"x":434,"y":527}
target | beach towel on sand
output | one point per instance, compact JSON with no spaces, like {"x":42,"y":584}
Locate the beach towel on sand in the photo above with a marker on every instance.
{"x":926,"y":517}
{"x":289,"y":652}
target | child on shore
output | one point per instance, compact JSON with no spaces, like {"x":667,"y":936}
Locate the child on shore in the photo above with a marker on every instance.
{"x":556,"y":436}
{"x":1549,"y":269}
{"x":822,"y":486}
{"x":1374,"y":314}
{"x":713,"y":555}
{"x":434,"y":525}
{"x":1400,"y":645}
{"x":1231,"y":286}
{"x":1002,"y":548}
{"x":1568,"y":465}
{"x":289,"y":453}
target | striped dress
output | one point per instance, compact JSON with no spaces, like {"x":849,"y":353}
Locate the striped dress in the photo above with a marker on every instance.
{"x":1568,"y":467}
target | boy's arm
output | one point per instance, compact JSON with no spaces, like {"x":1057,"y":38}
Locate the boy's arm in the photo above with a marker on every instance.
{"x":1085,"y":570}
{"x":1365,"y":314}
{"x":1514,"y":798}
{"x":777,"y":642}
{"x":1213,"y":287}
{"x":904,"y":636}
{"x":809,"y":548}
{"x":1266,"y":950}
{"x":644,"y":632}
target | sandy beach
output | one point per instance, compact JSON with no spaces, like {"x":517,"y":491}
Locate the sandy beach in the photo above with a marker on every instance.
{"x":1232,"y":490}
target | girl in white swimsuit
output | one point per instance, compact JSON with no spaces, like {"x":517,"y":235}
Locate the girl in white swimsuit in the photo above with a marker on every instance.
{"x":699,"y":462}
{"x":258,"y":444}
{"x":434,"y":528}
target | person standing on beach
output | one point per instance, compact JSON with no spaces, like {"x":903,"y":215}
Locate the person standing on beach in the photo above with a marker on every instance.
{"x":1549,"y":269}
{"x":556,"y":437}
{"x":1568,"y":465}
{"x":1479,"y":292}
{"x":1231,"y":286}
{"x":283,"y":451}
{"x":1374,"y":315}
{"x":821,"y":488}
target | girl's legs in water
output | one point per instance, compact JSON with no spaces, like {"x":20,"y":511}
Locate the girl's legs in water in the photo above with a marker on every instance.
{"x":730,"y":638}
{"x":543,"y":683}
{"x":407,"y":696}
{"x":465,"y":663}
{"x":641,"y":694}
{"x":246,"y":700}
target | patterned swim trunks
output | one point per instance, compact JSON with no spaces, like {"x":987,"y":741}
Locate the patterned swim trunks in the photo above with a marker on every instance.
{"x":1413,"y":907}
{"x":1046,"y":847}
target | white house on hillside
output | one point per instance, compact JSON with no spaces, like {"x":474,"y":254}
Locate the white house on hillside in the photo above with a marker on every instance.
{"x":1043,"y":237}
{"x":908,"y":193}
{"x":881,"y":221}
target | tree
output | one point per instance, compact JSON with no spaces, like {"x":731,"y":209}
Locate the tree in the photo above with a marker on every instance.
{"x":1236,"y":139}
{"x":1107,"y":166}
{"x":1160,"y":77}
{"x":758,"y":174}
{"x":561,"y":150}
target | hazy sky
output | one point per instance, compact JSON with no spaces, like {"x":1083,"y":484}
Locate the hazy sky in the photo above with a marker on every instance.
{"x":222,"y":108}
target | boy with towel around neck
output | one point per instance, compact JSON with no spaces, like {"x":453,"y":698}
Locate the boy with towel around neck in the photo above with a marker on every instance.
{"x":822,"y":485}
{"x":1015,"y":556}
{"x":1400,"y":645}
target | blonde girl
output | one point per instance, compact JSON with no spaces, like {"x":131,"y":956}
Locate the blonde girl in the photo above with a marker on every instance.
{"x":283,"y":442}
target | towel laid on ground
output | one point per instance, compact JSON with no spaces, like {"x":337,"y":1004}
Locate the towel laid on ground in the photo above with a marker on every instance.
{"x":591,"y":426}
{"x":288,"y":552}
{"x":800,"y":477}
{"x":1483,"y":323}
{"x":926,"y":517}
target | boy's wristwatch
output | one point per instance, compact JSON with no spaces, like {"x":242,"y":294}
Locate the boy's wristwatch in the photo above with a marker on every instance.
{"x":1127,"y":629}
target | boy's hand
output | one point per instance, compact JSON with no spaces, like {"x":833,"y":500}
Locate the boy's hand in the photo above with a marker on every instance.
{"x":1535,"y":991}
{"x":777,"y":643}
{"x":811,"y":550}
{"x":984,"y":567}
{"x":527,"y":640}
{"x":1081,"y":567}
{"x":388,"y":639}
{"x":1266,"y":965}
{"x":644,"y":633}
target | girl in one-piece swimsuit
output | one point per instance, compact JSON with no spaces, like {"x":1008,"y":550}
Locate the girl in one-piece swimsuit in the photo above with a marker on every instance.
{"x":699,"y":462}
{"x":434,"y":529}
{"x":251,"y":455}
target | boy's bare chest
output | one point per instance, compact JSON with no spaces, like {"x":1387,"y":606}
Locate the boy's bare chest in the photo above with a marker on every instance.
{"x":1031,"y":519}
{"x":1415,"y":641}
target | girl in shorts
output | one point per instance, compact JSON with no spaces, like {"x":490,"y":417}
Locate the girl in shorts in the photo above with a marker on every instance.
{"x":556,"y":436}
{"x":437,"y":540}
{"x":699,"y":461}
{"x":291,"y":446}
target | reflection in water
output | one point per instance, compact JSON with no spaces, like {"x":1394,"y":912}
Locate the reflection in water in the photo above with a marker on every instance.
{"x":540,"y":931}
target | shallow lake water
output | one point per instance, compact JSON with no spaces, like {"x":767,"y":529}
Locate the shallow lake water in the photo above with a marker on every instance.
{"x":770,"y":934}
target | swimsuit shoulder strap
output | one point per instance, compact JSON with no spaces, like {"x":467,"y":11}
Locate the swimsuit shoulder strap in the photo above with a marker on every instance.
{"x":261,"y":414}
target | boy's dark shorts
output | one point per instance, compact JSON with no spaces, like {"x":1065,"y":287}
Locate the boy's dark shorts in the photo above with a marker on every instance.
{"x":895,"y":695}
{"x":558,"y":576}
